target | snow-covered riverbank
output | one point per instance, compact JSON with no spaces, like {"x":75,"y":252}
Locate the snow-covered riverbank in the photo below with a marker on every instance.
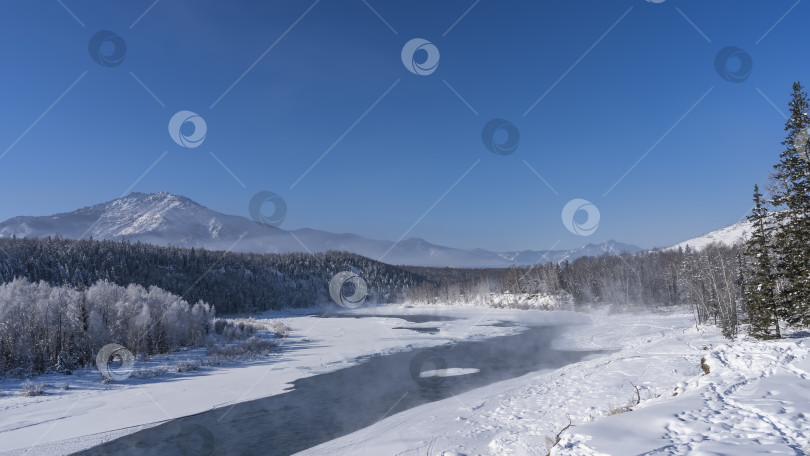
{"x":89,"y":412}
{"x":754,"y":400}
{"x":754,"y":395}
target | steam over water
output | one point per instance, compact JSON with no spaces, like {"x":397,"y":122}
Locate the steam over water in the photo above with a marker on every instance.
{"x":326,"y":406}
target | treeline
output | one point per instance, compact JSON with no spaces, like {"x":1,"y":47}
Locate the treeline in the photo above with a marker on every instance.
{"x":46,"y":328}
{"x":777,"y":276}
{"x":709,"y":281}
{"x":232,"y":282}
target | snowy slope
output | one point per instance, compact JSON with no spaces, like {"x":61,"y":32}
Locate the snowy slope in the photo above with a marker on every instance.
{"x":166,"y":219}
{"x":729,"y":236}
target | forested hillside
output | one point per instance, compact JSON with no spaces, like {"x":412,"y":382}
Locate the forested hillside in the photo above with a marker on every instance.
{"x":231,"y":282}
{"x":708,"y":280}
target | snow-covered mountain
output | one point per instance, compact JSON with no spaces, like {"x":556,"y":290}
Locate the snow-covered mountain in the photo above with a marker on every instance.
{"x":729,"y":236}
{"x":167,"y":219}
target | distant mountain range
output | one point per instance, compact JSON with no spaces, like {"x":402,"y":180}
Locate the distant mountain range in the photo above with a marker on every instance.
{"x":167,"y":219}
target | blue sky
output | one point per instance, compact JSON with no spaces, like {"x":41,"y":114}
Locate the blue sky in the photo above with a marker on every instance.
{"x":616,"y":78}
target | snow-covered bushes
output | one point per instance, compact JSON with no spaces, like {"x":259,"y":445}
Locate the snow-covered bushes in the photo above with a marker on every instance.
{"x":150,"y":372}
{"x":31,"y":388}
{"x":525,"y":301}
{"x":55,"y":329}
{"x":254,"y":347}
{"x":186,"y":366}
{"x":279,"y":328}
{"x":241,"y":328}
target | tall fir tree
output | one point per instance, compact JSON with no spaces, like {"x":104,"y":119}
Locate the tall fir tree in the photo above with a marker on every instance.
{"x":791,"y":193}
{"x":758,"y":290}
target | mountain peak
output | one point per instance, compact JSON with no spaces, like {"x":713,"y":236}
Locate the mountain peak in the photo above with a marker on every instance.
{"x":157,"y":196}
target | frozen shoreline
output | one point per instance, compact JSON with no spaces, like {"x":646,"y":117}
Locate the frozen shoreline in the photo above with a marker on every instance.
{"x":760,"y":387}
{"x":89,"y":413}
{"x":754,"y":398}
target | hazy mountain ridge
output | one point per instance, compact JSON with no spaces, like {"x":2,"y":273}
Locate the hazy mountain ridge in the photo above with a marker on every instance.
{"x":167,"y":219}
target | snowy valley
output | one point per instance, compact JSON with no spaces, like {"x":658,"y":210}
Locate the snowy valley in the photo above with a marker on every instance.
{"x":422,"y":228}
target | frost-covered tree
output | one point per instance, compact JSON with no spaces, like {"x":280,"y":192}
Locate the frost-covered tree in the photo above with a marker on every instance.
{"x":43,"y":328}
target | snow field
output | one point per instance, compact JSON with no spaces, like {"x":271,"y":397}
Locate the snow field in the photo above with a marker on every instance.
{"x":754,"y":400}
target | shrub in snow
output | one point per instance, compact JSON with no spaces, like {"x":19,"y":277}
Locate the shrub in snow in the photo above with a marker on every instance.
{"x":279,"y":328}
{"x":150,"y":372}
{"x":704,"y":366}
{"x":30,"y":388}
{"x":618,"y":410}
{"x":254,"y":347}
{"x":186,"y":366}
{"x":243,"y":328}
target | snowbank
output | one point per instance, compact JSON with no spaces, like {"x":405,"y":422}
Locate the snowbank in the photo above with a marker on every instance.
{"x":753,"y":400}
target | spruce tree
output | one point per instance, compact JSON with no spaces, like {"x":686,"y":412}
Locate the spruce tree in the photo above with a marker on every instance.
{"x":758,"y":292}
{"x":791,"y":193}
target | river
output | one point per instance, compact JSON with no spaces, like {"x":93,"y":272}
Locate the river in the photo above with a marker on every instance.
{"x":323,"y":407}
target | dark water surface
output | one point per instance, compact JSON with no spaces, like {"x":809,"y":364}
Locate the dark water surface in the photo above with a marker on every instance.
{"x":326,"y":406}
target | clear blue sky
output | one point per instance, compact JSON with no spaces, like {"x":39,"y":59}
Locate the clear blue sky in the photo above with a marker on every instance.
{"x":608,"y":100}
